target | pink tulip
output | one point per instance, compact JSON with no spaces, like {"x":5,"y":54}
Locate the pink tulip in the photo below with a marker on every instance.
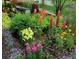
{"x":39,"y":45}
{"x":34,"y":49}
{"x":51,"y":21}
{"x":58,"y":18}
{"x":35,"y":10}
{"x":27,"y":46}
{"x":64,"y":24}
{"x":41,"y":19}
{"x":44,"y":12}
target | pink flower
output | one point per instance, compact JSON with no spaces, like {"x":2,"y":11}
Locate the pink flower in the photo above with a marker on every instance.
{"x":58,"y":18}
{"x":44,"y":12}
{"x":51,"y":21}
{"x":64,"y":24}
{"x":39,"y":45}
{"x":27,"y":46}
{"x":34,"y":49}
{"x":35,"y":10}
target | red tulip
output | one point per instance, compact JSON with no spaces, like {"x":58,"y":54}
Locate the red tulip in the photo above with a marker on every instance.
{"x":41,"y":11}
{"x":64,"y":24}
{"x":41,"y":19}
{"x":51,"y":21}
{"x":44,"y":12}
{"x":58,"y":18}
{"x":35,"y":10}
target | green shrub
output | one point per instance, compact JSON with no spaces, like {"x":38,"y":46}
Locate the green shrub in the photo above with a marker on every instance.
{"x":20,"y":21}
{"x":70,"y":41}
{"x":6,"y":21}
{"x":62,"y":38}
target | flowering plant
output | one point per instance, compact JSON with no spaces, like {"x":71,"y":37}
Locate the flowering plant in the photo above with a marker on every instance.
{"x":27,"y":34}
{"x":6,"y":21}
{"x":34,"y":51}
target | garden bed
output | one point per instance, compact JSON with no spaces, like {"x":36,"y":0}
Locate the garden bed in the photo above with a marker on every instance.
{"x":38,"y":35}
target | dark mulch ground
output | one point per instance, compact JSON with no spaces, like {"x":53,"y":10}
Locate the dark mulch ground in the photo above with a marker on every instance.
{"x":10,"y":46}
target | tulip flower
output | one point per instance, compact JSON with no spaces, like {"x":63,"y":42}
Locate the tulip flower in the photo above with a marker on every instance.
{"x":58,"y":18}
{"x":64,"y":24}
{"x":39,"y":45}
{"x":41,"y":19}
{"x":27,"y":46}
{"x":44,"y":12}
{"x":51,"y":21}
{"x":34,"y":48}
{"x":41,"y":11}
{"x":35,"y":10}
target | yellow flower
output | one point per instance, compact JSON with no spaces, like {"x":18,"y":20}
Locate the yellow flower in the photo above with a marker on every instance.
{"x":70,"y":30}
{"x":63,"y":33}
{"x":73,"y":34}
{"x":62,"y":37}
{"x":66,"y":26}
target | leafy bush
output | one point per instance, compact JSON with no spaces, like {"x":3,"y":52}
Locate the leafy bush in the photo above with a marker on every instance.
{"x":6,"y":21}
{"x":20,"y":21}
{"x":60,"y":37}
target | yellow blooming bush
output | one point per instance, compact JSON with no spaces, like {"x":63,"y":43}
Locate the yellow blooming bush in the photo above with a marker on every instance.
{"x":27,"y":34}
{"x":62,"y":38}
{"x":68,"y":36}
{"x":6,"y":21}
